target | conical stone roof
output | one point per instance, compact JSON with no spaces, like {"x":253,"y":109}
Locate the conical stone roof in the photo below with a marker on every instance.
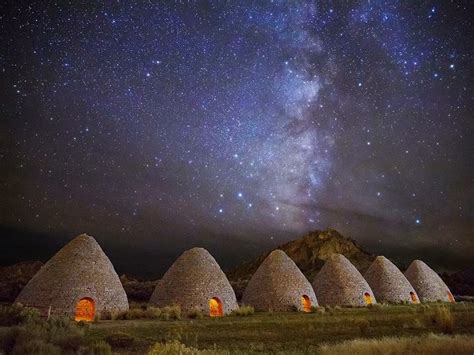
{"x":79,"y":270}
{"x":388,"y":283}
{"x":338,"y":283}
{"x":279,"y":285}
{"x":192,"y":281}
{"x":427,"y":283}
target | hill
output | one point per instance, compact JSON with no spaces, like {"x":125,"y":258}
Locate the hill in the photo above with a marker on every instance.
{"x":461,"y":282}
{"x":309,"y":253}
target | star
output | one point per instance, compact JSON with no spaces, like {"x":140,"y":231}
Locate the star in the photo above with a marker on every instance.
{"x":238,"y":120}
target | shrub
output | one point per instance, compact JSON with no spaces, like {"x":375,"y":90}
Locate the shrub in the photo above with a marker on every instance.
{"x":321,"y":310}
{"x":135,"y":313}
{"x":119,"y":340}
{"x":431,"y":344}
{"x":138,"y":313}
{"x":29,"y":314}
{"x":443,"y":319}
{"x":7,"y":340}
{"x":244,"y":311}
{"x":170,"y":313}
{"x":36,"y":347}
{"x":122,"y":315}
{"x":16,"y":314}
{"x":40,"y":336}
{"x":69,"y":342}
{"x":363,"y":326}
{"x":195,"y":313}
{"x":99,"y":348}
{"x":171,"y":348}
{"x":10,"y":315}
{"x":152,"y":313}
{"x":374,"y":306}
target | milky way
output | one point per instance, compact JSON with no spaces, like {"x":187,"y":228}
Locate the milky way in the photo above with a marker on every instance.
{"x":240,"y":125}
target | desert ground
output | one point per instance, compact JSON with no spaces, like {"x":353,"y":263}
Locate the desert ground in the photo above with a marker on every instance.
{"x":423,"y":328}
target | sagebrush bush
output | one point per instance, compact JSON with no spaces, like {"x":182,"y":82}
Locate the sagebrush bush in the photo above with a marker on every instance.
{"x":430,"y":344}
{"x":16,"y":314}
{"x":135,"y":313}
{"x":41,"y":336}
{"x":195,"y":313}
{"x":244,"y":311}
{"x":170,"y":313}
{"x":171,"y":348}
{"x":36,"y":347}
{"x":321,"y":310}
{"x":120,"y":340}
{"x":7,"y":340}
{"x":122,"y":315}
{"x":364,"y":326}
{"x":443,"y":318}
{"x":99,"y":348}
{"x":138,"y":313}
{"x":10,"y":315}
{"x":152,"y":313}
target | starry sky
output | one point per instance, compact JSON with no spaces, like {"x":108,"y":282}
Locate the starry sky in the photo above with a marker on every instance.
{"x":158,"y":126}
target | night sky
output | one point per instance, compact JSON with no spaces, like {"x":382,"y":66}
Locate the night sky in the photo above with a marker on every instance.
{"x":236,"y":126}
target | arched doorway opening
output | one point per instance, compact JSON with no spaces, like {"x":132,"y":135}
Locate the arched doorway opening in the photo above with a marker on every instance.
{"x":215,"y":307}
{"x":451,"y":297}
{"x":85,"y":310}
{"x":306,"y":303}
{"x":368,"y":298}
{"x":413,"y":297}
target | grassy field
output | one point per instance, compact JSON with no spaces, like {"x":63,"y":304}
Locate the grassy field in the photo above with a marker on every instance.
{"x":290,"y":332}
{"x":412,"y":329}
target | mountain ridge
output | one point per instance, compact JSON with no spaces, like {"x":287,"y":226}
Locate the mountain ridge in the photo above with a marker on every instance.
{"x":309,"y":252}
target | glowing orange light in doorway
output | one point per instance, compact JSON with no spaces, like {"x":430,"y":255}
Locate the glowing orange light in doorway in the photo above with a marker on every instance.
{"x":451,"y":297}
{"x":85,"y":310}
{"x":306,"y":303}
{"x":215,"y":307}
{"x":368,"y":298}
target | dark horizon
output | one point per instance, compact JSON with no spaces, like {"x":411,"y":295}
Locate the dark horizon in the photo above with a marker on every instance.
{"x":149,"y":264}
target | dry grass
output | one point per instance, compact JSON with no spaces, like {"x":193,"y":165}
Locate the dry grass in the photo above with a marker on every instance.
{"x":165,"y":313}
{"x":444,"y":319}
{"x":430,"y":344}
{"x":289,"y":332}
{"x":427,"y":344}
{"x":172,"y":348}
{"x":244,"y":311}
{"x":195,"y":313}
{"x":170,"y":313}
{"x":401,"y":326}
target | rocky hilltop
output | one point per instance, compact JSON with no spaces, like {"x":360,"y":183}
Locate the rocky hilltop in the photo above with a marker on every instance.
{"x":309,"y":253}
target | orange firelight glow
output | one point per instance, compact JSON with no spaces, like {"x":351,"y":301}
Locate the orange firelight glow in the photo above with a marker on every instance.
{"x":215,"y":307}
{"x":85,"y":310}
{"x":451,"y":297}
{"x":368,"y":298}
{"x":306,"y":302}
{"x":414,"y":299}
